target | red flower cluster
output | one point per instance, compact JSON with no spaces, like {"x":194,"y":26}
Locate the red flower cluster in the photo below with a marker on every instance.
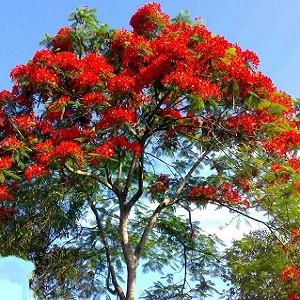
{"x":69,"y":149}
{"x":160,"y":185}
{"x":286,"y":141}
{"x":171,"y":113}
{"x":44,"y":152}
{"x":93,"y":99}
{"x":35,"y":171}
{"x":224,"y":193}
{"x":122,"y":84}
{"x":25,"y":122}
{"x":191,"y":84}
{"x":5,"y":194}
{"x":63,"y":41}
{"x":293,"y":296}
{"x":116,"y":116}
{"x":5,"y":96}
{"x":131,"y":49}
{"x":5,"y":163}
{"x":44,"y":76}
{"x":243,"y":122}
{"x":10,"y":143}
{"x":149,"y":19}
{"x":291,"y":274}
{"x":107,"y":150}
{"x":206,"y":193}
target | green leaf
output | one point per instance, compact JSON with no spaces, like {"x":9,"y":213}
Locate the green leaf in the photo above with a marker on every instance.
{"x":276,"y":109}
{"x":197,"y":103}
{"x":214,"y":104}
{"x":12,"y":175}
{"x":2,"y":177}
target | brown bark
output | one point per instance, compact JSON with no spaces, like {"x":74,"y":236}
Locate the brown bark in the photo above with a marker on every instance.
{"x":130,"y":258}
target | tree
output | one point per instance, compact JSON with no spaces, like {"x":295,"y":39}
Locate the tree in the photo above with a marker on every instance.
{"x":265,"y":264}
{"x":259,"y":267}
{"x":138,"y":130}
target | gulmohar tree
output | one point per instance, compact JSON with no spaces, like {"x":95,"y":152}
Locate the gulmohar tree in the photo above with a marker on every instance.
{"x":138,"y":130}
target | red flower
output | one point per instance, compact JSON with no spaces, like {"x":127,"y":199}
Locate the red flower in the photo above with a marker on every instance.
{"x":93,"y":99}
{"x":136,"y":148}
{"x":5,"y":162}
{"x":192,"y":84}
{"x":293,"y":296}
{"x":35,"y":171}
{"x":62,"y":41}
{"x":97,"y":64}
{"x":5,"y":96}
{"x":44,"y":76}
{"x":5,"y":193}
{"x":172,"y":113}
{"x":43,"y":57}
{"x":207,"y":192}
{"x":290,"y":274}
{"x":45,"y":151}
{"x":243,"y":122}
{"x":149,"y":19}
{"x":67,"y":61}
{"x":250,"y":56}
{"x":20,"y":71}
{"x":69,"y":149}
{"x":11,"y":143}
{"x":121,"y":84}
{"x":25,"y":122}
{"x":160,"y":185}
{"x":105,"y":151}
{"x":87,"y":80}
{"x":117,"y":115}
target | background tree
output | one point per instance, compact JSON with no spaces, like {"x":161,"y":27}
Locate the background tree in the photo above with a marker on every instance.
{"x":265,"y":263}
{"x":137,"y":130}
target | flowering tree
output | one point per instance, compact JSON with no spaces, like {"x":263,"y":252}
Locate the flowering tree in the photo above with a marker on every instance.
{"x":137,"y":129}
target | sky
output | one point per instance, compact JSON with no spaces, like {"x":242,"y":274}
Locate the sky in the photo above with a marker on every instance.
{"x":268,"y":27}
{"x":14,"y":278}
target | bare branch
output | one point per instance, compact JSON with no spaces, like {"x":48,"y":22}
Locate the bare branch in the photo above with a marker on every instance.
{"x":130,"y":175}
{"x":104,"y":239}
{"x":251,"y":218}
{"x":84,"y":173}
{"x":141,"y":245}
{"x":170,"y":167}
{"x":120,"y":170}
{"x":190,"y":172}
{"x":185,"y":268}
{"x":139,"y":192}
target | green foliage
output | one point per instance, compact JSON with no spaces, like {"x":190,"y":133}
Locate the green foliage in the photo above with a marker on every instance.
{"x":255,"y":265}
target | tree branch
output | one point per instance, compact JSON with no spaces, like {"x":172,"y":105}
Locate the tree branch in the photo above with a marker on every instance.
{"x":185,"y":268}
{"x":130,"y":175}
{"x":169,"y":166}
{"x":141,"y":245}
{"x":251,"y":218}
{"x":190,"y":172}
{"x":84,"y":173}
{"x":110,"y":265}
{"x":139,"y":192}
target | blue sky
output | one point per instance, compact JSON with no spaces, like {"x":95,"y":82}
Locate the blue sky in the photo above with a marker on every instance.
{"x":268,"y":27}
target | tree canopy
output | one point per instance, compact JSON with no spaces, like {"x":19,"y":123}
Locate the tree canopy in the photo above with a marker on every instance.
{"x":112,"y":140}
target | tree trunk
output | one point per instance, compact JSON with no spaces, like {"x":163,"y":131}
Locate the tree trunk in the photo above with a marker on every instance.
{"x":130,"y":258}
{"x":131,"y":282}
